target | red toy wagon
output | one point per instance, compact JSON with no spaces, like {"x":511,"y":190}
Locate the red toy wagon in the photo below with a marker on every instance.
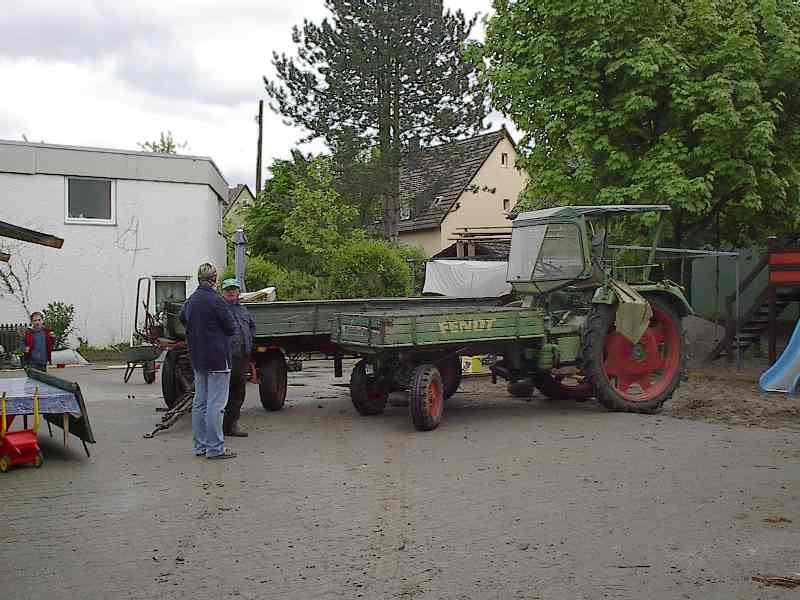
{"x":19,"y":447}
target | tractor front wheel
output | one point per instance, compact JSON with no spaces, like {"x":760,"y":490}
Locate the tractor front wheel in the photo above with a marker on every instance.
{"x":636,"y":377}
{"x":426,"y":397}
{"x":367,"y":393}
{"x":564,"y":385}
{"x":521,"y":388}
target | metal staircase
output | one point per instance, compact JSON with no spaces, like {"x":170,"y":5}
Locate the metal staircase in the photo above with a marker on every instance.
{"x":782,"y":289}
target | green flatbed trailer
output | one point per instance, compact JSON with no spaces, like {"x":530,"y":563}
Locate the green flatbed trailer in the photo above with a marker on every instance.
{"x":420,"y":352}
{"x":290,"y":329}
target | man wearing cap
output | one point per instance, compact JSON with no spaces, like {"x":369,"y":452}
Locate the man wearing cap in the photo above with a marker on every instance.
{"x":241,"y":348}
{"x":209,"y":327}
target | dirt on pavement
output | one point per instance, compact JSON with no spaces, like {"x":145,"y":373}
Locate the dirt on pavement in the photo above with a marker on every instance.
{"x":721,"y":393}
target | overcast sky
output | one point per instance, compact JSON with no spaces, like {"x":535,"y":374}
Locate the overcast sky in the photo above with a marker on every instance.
{"x":115,"y":73}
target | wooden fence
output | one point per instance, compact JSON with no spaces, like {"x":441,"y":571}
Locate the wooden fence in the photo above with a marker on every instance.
{"x":9,"y":337}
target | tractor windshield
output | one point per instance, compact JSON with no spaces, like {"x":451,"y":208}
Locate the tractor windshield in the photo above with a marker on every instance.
{"x":547,"y":252}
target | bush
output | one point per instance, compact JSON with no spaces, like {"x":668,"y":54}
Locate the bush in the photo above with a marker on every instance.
{"x":59,"y":317}
{"x":368,"y":269}
{"x":416,"y":258}
{"x":290,"y":285}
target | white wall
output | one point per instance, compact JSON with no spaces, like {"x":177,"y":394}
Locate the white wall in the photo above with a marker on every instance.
{"x":161,"y":229}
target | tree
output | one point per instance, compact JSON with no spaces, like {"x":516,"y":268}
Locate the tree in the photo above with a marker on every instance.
{"x":375,"y":79}
{"x":300,"y":218}
{"x":18,"y":274}
{"x":690,"y":103}
{"x":166,"y":144}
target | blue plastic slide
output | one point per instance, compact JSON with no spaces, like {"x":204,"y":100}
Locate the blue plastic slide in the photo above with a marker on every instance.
{"x":784,"y":375}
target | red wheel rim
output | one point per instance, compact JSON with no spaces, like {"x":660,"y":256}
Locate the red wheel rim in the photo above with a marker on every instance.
{"x":435,"y":399}
{"x":641,"y":372}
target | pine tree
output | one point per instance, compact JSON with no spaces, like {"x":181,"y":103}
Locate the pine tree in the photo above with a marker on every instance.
{"x":384,"y":76}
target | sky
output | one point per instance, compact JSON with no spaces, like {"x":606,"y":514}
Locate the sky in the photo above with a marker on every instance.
{"x":115,"y":73}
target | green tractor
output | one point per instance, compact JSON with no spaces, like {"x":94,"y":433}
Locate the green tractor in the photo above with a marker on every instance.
{"x":613,"y":333}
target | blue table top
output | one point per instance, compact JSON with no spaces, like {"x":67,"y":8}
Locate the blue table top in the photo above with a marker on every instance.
{"x":52,"y":400}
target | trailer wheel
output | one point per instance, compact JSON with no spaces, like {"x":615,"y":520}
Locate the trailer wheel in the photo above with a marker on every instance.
{"x":38,"y":460}
{"x":272,"y":387}
{"x":426,"y":397}
{"x":5,"y":463}
{"x":450,"y":370}
{"x":635,"y":377}
{"x":367,"y":393}
{"x":149,"y":371}
{"x":171,"y":386}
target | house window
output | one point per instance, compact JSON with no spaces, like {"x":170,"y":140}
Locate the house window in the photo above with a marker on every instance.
{"x":405,"y":211}
{"x":169,"y":290}
{"x":504,"y":160}
{"x":90,"y":201}
{"x":506,"y":205}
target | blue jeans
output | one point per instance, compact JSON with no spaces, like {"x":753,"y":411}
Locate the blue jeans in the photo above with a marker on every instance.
{"x":208,"y":408}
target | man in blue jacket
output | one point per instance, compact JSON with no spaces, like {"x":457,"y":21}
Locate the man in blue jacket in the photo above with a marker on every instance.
{"x":241,"y":349}
{"x":209,"y":327}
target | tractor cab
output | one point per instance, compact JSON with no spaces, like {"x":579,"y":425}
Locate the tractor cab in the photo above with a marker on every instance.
{"x":563,"y":246}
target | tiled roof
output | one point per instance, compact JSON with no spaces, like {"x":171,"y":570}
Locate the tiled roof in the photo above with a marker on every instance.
{"x":432,"y":180}
{"x":233,"y":192}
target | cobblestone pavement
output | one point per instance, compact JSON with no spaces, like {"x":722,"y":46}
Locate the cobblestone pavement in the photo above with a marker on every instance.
{"x":507,"y":499}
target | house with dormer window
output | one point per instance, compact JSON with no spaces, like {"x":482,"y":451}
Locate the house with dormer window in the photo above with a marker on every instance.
{"x":471,"y":183}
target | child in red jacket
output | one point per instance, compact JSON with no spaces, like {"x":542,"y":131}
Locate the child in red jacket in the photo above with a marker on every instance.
{"x":37,"y":344}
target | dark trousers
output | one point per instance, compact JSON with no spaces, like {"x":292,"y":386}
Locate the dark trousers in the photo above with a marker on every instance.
{"x":238,"y":388}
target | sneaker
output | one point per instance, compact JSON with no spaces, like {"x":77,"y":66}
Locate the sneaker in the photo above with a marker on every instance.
{"x":224,"y":455}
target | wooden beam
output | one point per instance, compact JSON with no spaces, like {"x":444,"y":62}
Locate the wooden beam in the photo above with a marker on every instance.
{"x":4,"y":257}
{"x":29,"y":235}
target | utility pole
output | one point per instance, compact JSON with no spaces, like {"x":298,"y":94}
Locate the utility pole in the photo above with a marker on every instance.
{"x":258,"y":151}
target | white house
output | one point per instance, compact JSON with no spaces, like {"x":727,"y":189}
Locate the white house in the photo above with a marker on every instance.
{"x":122,"y":214}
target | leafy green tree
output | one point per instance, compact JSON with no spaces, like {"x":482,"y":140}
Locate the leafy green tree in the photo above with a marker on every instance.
{"x":416,"y":258}
{"x":377,"y":77}
{"x":690,"y":103}
{"x":300,"y":218}
{"x":165,"y":144}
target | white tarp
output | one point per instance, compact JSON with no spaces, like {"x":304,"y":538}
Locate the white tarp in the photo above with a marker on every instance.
{"x":467,"y":278}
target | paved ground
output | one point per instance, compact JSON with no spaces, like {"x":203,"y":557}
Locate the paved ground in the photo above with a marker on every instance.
{"x":507,"y":499}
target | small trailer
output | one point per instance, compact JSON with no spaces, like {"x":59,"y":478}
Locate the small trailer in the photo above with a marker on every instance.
{"x":420,"y":352}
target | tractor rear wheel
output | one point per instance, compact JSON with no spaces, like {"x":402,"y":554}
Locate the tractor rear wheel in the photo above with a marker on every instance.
{"x":635,"y":377}
{"x":273,"y":381}
{"x":426,"y":397}
{"x":367,"y":393}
